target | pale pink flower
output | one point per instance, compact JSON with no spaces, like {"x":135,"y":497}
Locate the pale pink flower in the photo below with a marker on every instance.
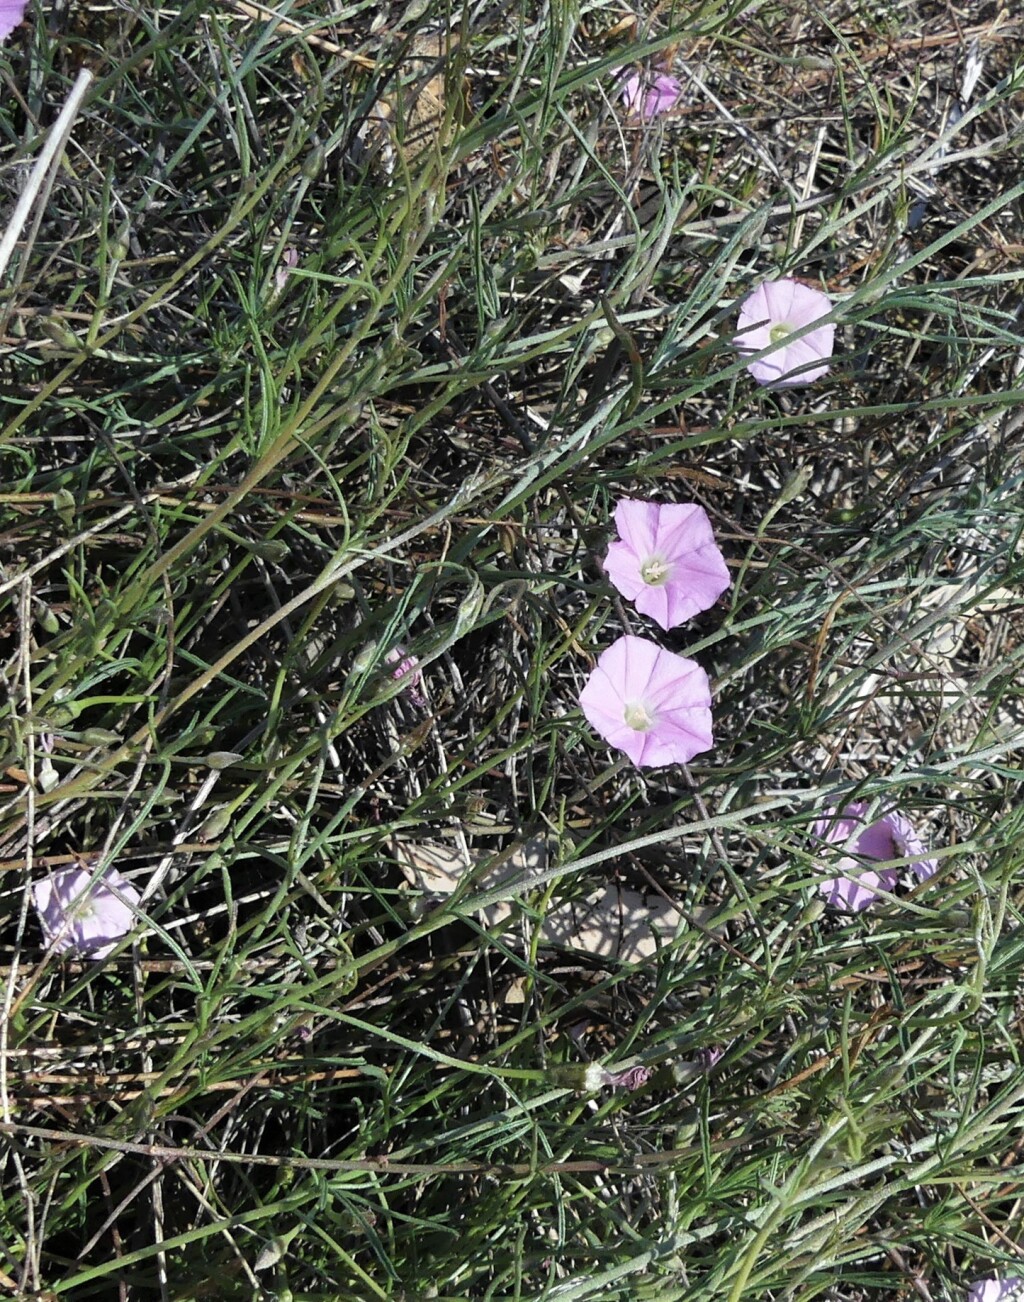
{"x":11,"y":14}
{"x":645,"y":99}
{"x":769,"y":316}
{"x":650,"y":703}
{"x":78,"y":913}
{"x":889,"y":837}
{"x":997,"y":1290}
{"x":667,"y":561}
{"x":407,"y":671}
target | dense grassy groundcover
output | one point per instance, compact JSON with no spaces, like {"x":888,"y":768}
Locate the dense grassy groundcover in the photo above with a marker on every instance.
{"x":301,"y":368}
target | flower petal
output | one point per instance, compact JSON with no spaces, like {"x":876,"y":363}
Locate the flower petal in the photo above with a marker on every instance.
{"x":857,"y":889}
{"x":11,"y":14}
{"x":997,"y":1290}
{"x":801,"y":360}
{"x":806,"y":305}
{"x":637,"y":524}
{"x":755,"y":313}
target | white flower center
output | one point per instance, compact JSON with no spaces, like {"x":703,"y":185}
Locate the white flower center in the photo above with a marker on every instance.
{"x":779,"y":331}
{"x":637,"y":716}
{"x":655,"y":570}
{"x":83,"y":909}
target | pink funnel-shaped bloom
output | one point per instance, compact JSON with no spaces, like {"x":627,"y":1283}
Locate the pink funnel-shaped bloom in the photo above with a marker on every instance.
{"x":645,"y":99}
{"x":78,"y":913}
{"x":11,"y":14}
{"x":667,"y":561}
{"x":997,"y":1290}
{"x":653,"y":704}
{"x":772,"y":313}
{"x":890,"y":837}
